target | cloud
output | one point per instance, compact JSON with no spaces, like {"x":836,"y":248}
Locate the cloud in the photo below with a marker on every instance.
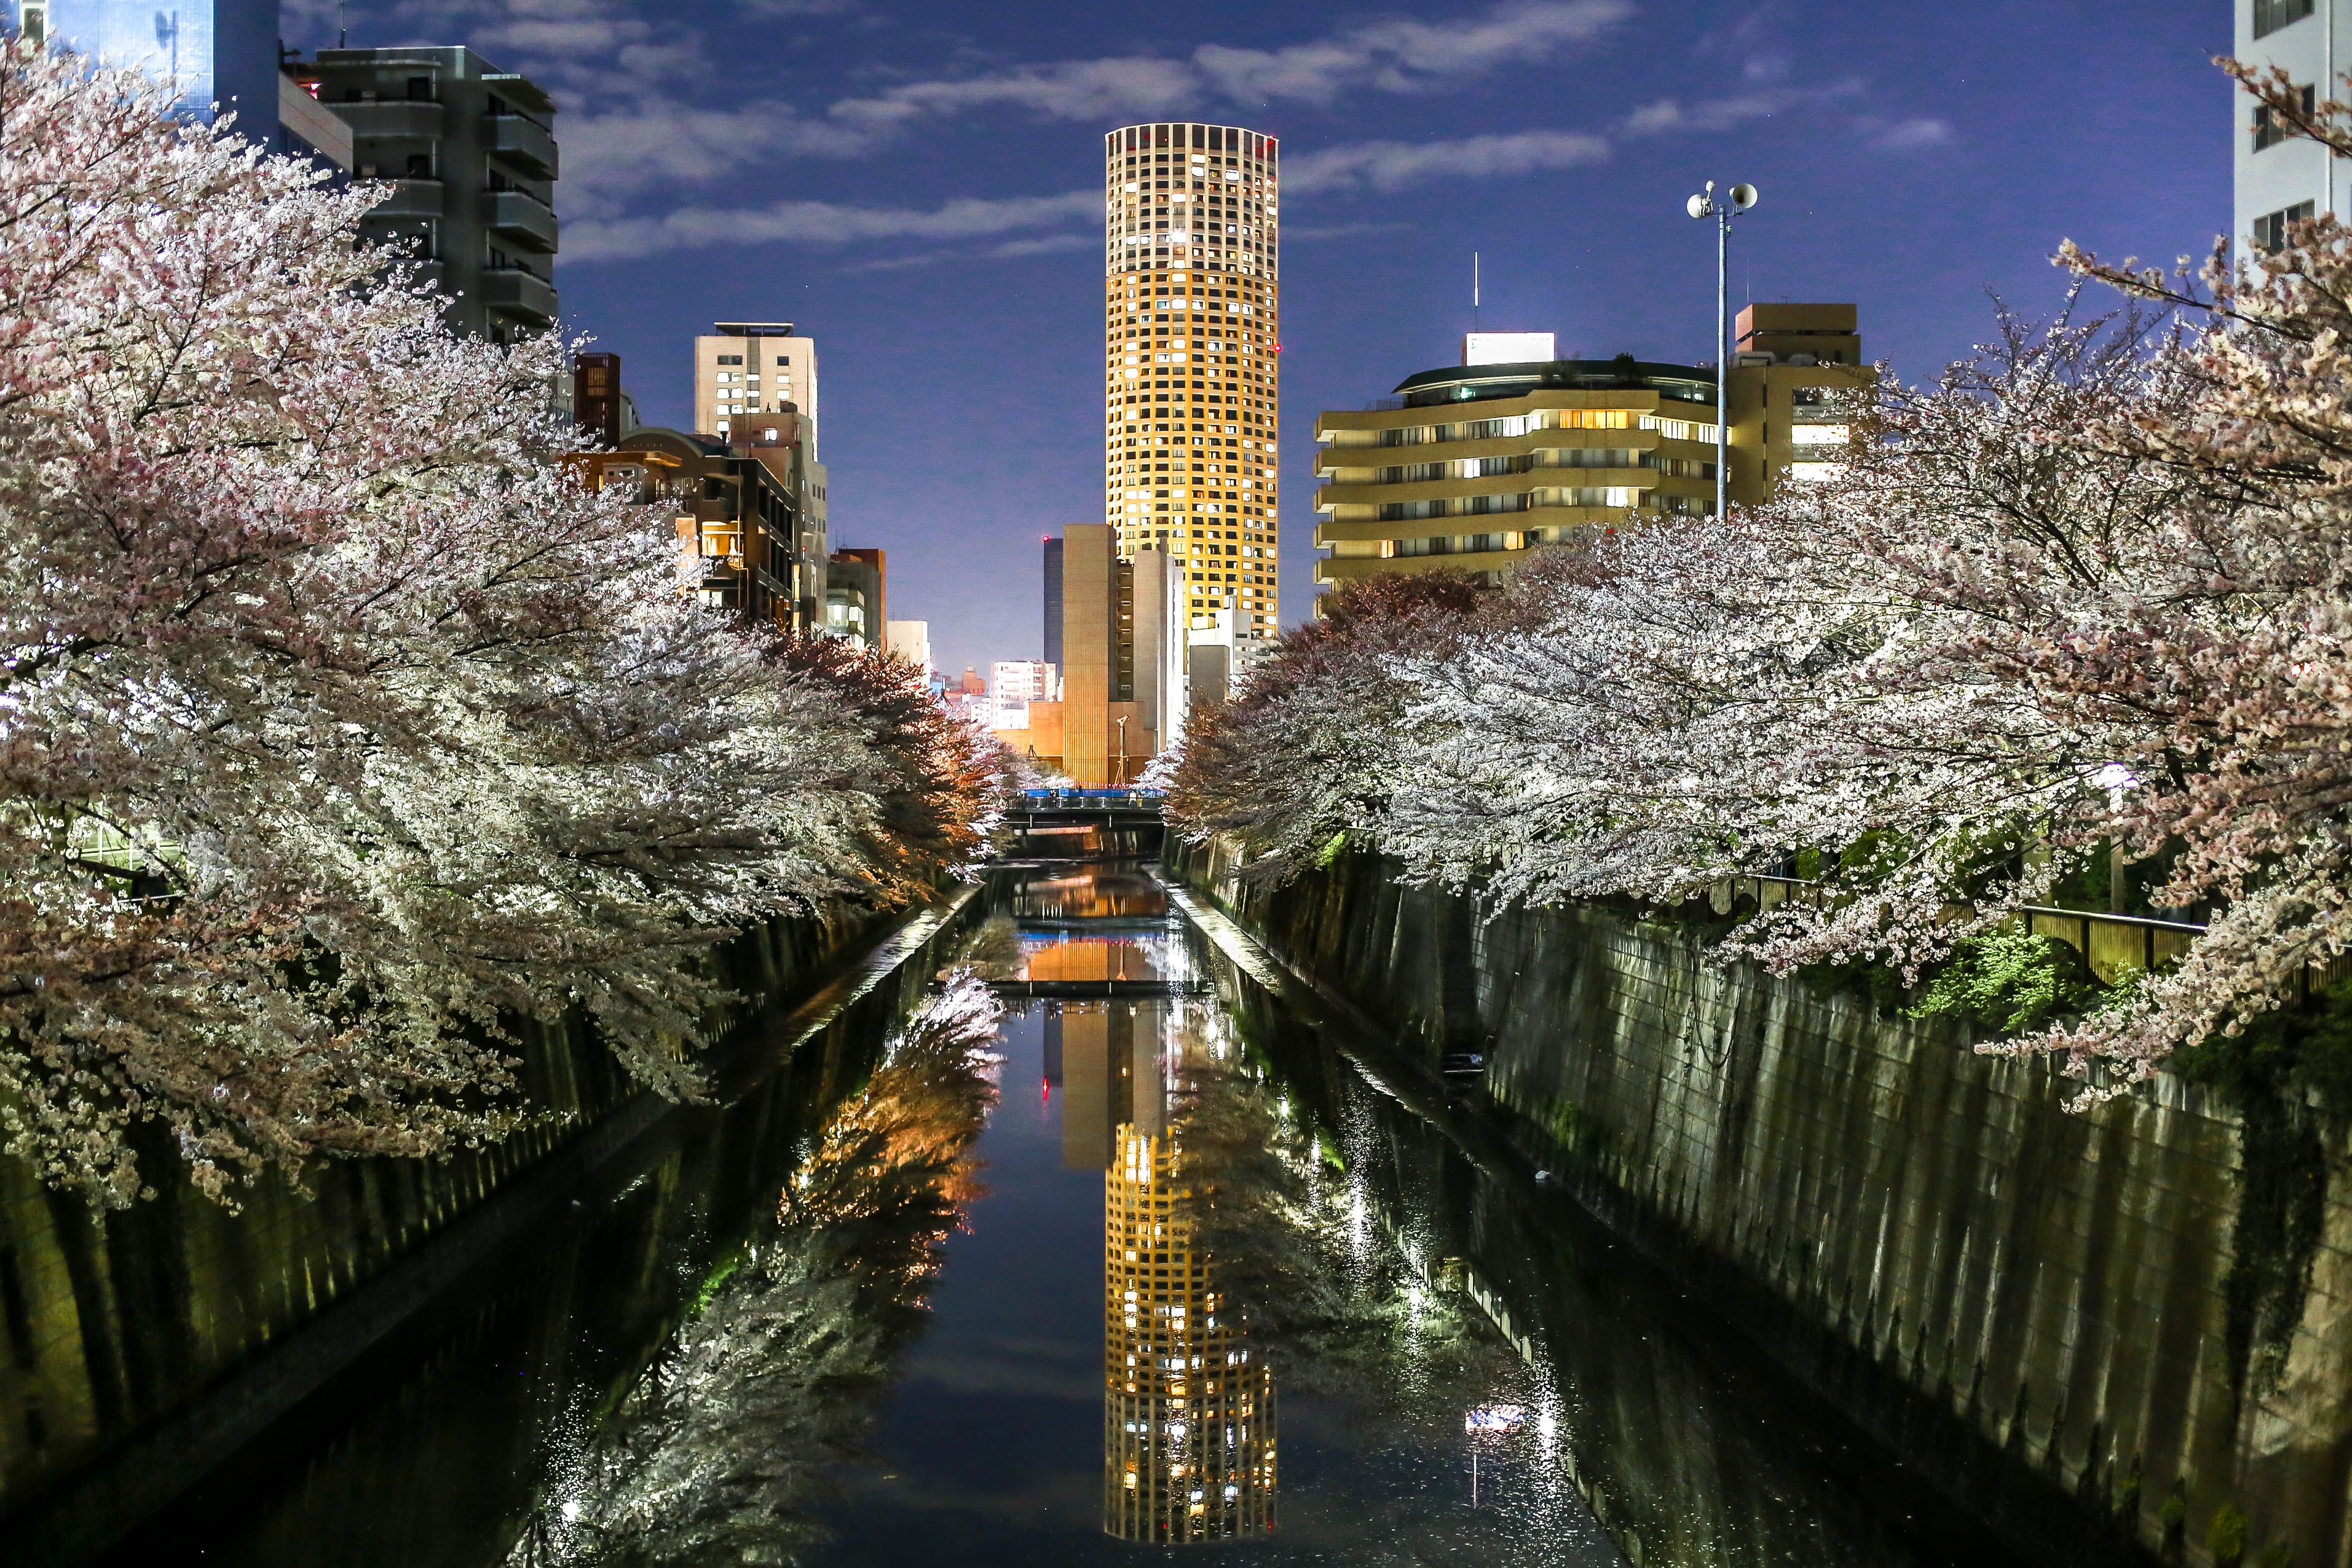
{"x":1391,"y":165}
{"x":1913,"y":136}
{"x":1394,"y":55}
{"x":825,"y":224}
{"x":1716,"y":114}
{"x":1011,"y":250}
{"x":1083,"y":89}
{"x":1365,"y":165}
{"x":657,"y":143}
{"x":1307,"y":233}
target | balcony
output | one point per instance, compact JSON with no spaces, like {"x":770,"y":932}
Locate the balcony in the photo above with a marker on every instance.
{"x":1354,"y":568}
{"x":519,"y":215}
{"x":392,"y":119}
{"x":412,"y":199}
{"x":528,"y":145}
{"x":514,"y":292}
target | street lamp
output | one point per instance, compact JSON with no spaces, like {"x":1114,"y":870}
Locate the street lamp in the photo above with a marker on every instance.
{"x":1738,"y":199}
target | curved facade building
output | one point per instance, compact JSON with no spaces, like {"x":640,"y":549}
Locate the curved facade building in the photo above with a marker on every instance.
{"x":1192,"y":335}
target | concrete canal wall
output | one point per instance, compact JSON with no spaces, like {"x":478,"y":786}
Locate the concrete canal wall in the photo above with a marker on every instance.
{"x":113,"y":1326}
{"x":2117,"y":1333}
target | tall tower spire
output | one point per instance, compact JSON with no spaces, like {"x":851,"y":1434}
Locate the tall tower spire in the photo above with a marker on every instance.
{"x":1191,"y":334}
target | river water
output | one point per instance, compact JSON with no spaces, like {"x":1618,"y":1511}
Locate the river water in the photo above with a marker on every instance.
{"x":1152,"y":1255}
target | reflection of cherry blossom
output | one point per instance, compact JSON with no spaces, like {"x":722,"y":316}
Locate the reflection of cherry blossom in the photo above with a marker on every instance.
{"x":719,"y":1450}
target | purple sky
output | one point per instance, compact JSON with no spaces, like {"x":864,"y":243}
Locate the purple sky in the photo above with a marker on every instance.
{"x":916,"y":186}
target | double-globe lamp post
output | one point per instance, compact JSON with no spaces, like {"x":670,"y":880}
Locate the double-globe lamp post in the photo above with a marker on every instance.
{"x":1737,"y":200}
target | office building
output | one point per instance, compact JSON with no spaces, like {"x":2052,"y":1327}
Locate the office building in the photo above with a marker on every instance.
{"x":1053,"y":638}
{"x":1191,"y":338}
{"x":2278,"y":177}
{"x":219,"y":53}
{"x":215,"y":52}
{"x":737,"y":513}
{"x":1122,"y":642}
{"x":751,"y":370}
{"x":470,"y":151}
{"x":1470,"y":466}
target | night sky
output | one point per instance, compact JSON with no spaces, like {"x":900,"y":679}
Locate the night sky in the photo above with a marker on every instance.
{"x":917,"y":185}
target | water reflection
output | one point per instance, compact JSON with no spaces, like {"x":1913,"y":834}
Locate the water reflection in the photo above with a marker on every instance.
{"x":1188,"y":1419}
{"x":850,"y":1316}
{"x":714,"y":1453}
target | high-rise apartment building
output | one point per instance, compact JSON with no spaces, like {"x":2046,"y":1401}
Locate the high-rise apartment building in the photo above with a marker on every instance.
{"x":2279,"y":177}
{"x":1191,"y":338}
{"x":470,"y":151}
{"x":746,"y":369}
{"x":1471,"y":465}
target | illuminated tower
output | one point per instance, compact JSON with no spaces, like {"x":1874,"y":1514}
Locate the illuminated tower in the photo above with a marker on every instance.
{"x":1188,"y":1417}
{"x":1191,"y":318}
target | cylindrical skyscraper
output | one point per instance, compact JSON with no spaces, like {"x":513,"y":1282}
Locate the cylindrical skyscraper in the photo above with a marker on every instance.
{"x":1192,"y":316}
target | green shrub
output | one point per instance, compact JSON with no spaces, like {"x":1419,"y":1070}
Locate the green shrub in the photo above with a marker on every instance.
{"x":2010,"y":982}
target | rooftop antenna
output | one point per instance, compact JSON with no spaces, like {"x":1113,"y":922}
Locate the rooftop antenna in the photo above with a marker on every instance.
{"x":1473,"y":291}
{"x":342,"y":23}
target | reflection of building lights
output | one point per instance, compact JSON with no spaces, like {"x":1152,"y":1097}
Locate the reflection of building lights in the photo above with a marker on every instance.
{"x":1177,"y":1401}
{"x":1494,"y":1420}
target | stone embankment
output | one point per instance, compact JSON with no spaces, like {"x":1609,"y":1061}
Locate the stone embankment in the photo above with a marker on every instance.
{"x":137,"y":1347}
{"x":2112,"y":1335}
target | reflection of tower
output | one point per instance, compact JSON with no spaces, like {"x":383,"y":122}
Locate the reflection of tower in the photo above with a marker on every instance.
{"x":1097,"y":1080}
{"x":1187,"y":1418}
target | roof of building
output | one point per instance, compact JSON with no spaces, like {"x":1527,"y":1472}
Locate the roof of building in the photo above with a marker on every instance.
{"x":1473,"y":383}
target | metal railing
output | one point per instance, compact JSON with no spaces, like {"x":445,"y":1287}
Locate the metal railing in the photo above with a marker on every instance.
{"x":1091,"y":799}
{"x":2112,"y":946}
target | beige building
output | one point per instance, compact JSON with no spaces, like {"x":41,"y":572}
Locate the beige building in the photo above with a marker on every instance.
{"x":743,"y":370}
{"x":1472,"y":465}
{"x":1121,"y":679}
{"x":753,"y":368}
{"x":1191,"y":338}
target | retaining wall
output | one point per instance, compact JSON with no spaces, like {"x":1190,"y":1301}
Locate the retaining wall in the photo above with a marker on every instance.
{"x":2114,"y":1333}
{"x":111,"y":1324}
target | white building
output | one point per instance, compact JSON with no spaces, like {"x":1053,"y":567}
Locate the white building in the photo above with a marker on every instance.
{"x":1013,"y":684}
{"x":910,"y":641}
{"x":2279,"y":178}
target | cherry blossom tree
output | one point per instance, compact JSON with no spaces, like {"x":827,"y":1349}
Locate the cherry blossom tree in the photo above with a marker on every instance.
{"x":2088,"y":593}
{"x":340,"y":726}
{"x":1307,"y":751}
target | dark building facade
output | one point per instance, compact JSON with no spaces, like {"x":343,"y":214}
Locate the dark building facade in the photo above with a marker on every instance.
{"x":739,"y":511}
{"x":1053,"y":602}
{"x":470,"y":151}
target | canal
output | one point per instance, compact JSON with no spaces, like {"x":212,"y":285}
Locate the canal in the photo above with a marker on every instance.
{"x":1086,"y":1233}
